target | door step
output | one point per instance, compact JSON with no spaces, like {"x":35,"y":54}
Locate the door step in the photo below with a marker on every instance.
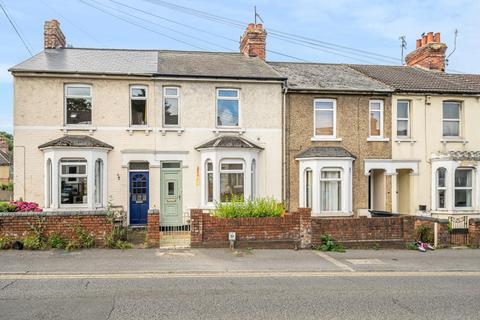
{"x":136,"y":234}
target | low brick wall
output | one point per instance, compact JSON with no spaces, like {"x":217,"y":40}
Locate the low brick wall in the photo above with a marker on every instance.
{"x":274,"y":232}
{"x":18,"y":225}
{"x":474,"y":233}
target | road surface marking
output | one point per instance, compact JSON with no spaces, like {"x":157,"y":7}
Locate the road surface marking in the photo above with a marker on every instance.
{"x":364,"y":261}
{"x":249,"y":274}
{"x":339,"y":264}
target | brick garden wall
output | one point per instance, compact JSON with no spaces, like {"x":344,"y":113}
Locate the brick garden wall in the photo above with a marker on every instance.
{"x":18,"y":225}
{"x":474,"y":233}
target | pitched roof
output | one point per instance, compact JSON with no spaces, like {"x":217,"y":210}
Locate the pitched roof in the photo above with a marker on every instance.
{"x":234,"y":142}
{"x":76,"y":141}
{"x":148,"y":63}
{"x":328,"y":77}
{"x":5,"y":158}
{"x":325,"y":152}
{"x":412,"y":79}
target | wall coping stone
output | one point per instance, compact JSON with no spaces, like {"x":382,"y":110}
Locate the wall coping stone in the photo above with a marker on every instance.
{"x":432,"y":219}
{"x":54,"y":213}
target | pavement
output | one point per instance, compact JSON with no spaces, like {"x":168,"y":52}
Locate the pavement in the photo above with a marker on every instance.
{"x":245,"y":284}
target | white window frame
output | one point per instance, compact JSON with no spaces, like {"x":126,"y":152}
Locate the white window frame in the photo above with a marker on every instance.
{"x":253,"y":179}
{"x":76,"y":175}
{"x":132,"y":87}
{"x":308,"y":187}
{"x":471,"y":188}
{"x":334,"y":111}
{"x":66,"y":96}
{"x":340,"y":179}
{"x":370,"y":103}
{"x":227,"y":171}
{"x":98,"y":182}
{"x":439,"y":188}
{"x":207,"y":172}
{"x":237,"y":98}
{"x":404,"y":119}
{"x":459,"y":119}
{"x":170,"y":96}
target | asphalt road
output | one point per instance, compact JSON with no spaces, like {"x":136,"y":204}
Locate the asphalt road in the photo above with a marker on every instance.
{"x":345,"y":295}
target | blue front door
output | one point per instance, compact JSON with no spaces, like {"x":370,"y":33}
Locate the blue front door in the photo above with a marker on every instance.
{"x":138,"y":197}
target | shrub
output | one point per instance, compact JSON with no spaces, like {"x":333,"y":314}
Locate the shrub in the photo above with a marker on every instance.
{"x":5,"y":243}
{"x":117,"y":238}
{"x":32,"y":243}
{"x":7,"y":207}
{"x":23,"y":206}
{"x":328,"y":244}
{"x":237,"y":207}
{"x":85,"y":240}
{"x":56,"y":242}
{"x":424,"y":234}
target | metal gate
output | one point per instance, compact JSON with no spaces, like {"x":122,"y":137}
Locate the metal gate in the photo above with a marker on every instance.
{"x":458,"y":230}
{"x":177,"y":236}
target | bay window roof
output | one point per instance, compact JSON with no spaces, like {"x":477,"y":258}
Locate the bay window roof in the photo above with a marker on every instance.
{"x":75,"y":141}
{"x":232,"y":142}
{"x":325,"y":152}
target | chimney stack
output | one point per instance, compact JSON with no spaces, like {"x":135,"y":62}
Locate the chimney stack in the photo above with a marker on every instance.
{"x":253,"y":41}
{"x":53,"y":36}
{"x":429,"y":53}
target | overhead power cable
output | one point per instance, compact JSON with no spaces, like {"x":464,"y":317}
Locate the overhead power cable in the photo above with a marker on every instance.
{"x":141,"y":26}
{"x":299,"y":40}
{"x":10,"y":19}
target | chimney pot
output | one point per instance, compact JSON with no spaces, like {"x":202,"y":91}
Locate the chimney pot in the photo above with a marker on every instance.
{"x":436,"y":37}
{"x":52,"y":35}
{"x":430,"y":37}
{"x":419,"y":43}
{"x":424,"y":40}
{"x":253,"y":41}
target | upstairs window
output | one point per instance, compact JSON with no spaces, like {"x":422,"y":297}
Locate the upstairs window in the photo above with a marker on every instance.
{"x":228,"y":108}
{"x":324,"y":117}
{"x":451,"y":119}
{"x":463,"y":188}
{"x":78,"y":104}
{"x":376,"y":118}
{"x":138,"y":106}
{"x":171,"y":96}
{"x":403,"y":119}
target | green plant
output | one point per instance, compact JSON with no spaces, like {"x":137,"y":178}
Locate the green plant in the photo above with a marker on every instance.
{"x":5,"y":243}
{"x":117,"y":239}
{"x":411,"y":246}
{"x":328,"y":244}
{"x":376,"y":246}
{"x":424,"y":234}
{"x":237,"y":207}
{"x":72,"y":244}
{"x":84,"y":239}
{"x":32,"y":243}
{"x":7,"y":207}
{"x":56,"y":242}
{"x":6,"y":186}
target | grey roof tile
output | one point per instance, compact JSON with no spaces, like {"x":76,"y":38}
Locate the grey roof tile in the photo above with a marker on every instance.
{"x":325,"y":152}
{"x":234,"y":142}
{"x":328,"y":77}
{"x":412,"y":79}
{"x":148,"y":63}
{"x":76,"y":141}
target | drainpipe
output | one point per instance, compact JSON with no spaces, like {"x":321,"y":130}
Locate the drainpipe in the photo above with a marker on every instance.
{"x":284,"y":144}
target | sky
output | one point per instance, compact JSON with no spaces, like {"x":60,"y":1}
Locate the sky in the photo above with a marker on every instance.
{"x":369,"y":25}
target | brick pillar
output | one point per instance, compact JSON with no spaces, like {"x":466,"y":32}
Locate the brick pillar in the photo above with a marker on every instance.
{"x":408,"y":225}
{"x":153,"y":228}
{"x":474,"y":233}
{"x":196,"y":228}
{"x":305,"y":227}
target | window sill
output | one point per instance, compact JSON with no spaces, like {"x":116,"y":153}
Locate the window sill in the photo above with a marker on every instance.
{"x":454,"y":140}
{"x":145,"y":129}
{"x":178,"y":130}
{"x":229,"y":130}
{"x":91,"y":129}
{"x":325,"y":139}
{"x":403,"y":140}
{"x":377,"y":139}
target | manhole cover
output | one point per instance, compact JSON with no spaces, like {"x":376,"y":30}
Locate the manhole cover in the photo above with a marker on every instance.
{"x":365,"y":261}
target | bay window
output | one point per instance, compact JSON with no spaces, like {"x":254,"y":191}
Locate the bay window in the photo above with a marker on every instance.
{"x":324,"y":118}
{"x":78,"y":104}
{"x":308,"y":188}
{"x":253,"y":180}
{"x":73,"y":182}
{"x":376,"y":119}
{"x":209,"y":181}
{"x":463,"y":188}
{"x":98,"y":182}
{"x":330,"y":190}
{"x":138,"y":105}
{"x":228,"y":107}
{"x":451,"y":119}
{"x":232,"y":180}
{"x":441,"y":188}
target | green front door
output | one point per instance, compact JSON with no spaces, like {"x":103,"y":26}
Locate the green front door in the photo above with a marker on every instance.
{"x":171,"y":194}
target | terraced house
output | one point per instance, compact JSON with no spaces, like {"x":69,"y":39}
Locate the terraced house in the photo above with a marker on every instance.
{"x":145,"y":129}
